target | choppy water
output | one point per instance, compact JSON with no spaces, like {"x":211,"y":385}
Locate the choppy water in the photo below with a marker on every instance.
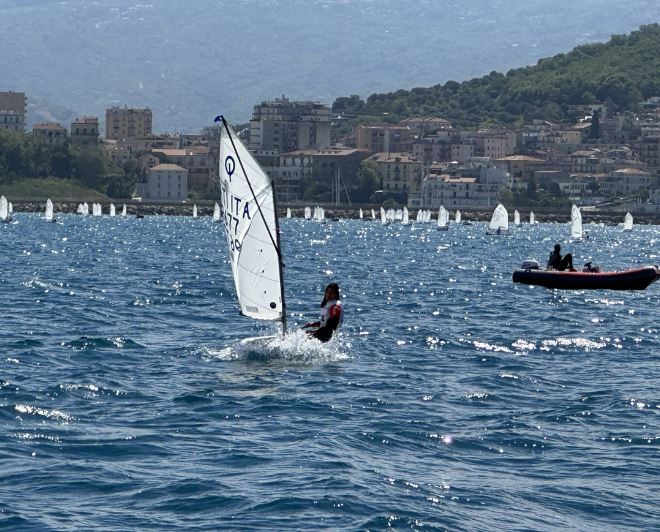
{"x":453,"y":398}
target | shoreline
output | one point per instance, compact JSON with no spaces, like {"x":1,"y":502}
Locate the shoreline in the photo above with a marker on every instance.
{"x":205,"y":208}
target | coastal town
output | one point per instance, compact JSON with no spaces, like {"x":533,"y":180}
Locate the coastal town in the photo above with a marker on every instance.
{"x":598,"y":160}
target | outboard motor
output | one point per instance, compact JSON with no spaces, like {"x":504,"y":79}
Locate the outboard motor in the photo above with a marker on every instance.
{"x":530,"y":264}
{"x":589,"y":268}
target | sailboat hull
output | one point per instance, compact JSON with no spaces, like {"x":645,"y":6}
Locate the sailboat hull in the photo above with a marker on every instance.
{"x":633,"y":279}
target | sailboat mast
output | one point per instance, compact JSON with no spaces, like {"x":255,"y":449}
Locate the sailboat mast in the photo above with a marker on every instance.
{"x":274,"y":239}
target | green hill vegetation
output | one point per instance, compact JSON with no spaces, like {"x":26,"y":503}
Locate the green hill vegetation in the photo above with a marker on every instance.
{"x":31,"y":169}
{"x":50,"y":187}
{"x":619,"y":73}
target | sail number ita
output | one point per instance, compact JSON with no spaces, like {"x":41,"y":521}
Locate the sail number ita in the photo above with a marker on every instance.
{"x":235,"y":210}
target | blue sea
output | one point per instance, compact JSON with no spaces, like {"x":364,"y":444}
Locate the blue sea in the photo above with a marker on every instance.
{"x":452,"y":399}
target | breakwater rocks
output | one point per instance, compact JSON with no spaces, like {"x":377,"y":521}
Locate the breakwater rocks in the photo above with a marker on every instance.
{"x":205,"y":208}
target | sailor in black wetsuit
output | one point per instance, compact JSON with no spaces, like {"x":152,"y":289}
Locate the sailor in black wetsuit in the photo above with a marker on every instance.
{"x":556,"y":262}
{"x":332,"y":315}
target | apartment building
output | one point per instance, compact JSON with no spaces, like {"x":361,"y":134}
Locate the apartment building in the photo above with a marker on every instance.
{"x":85,"y":131}
{"x":458,"y":192}
{"x":285,"y":125}
{"x":12,"y":110}
{"x":198,"y":161}
{"x":49,"y":133}
{"x":127,"y":123}
{"x":383,"y":138}
{"x":165,"y":182}
{"x":398,"y":172}
{"x":424,"y":126}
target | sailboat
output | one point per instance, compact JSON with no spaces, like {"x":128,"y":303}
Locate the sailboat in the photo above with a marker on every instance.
{"x":383,"y":217}
{"x":308,"y":213}
{"x":4,"y":210}
{"x":499,"y":223}
{"x":516,"y":218}
{"x":443,"y":219}
{"x":252,"y":230}
{"x":576,"y":223}
{"x":112,"y":209}
{"x":49,"y":211}
{"x":628,"y":222}
{"x":373,"y":214}
{"x":216,"y":213}
{"x":406,"y":217}
{"x":531,"y":218}
{"x":458,"y":217}
{"x":288,"y":212}
{"x":361,"y":215}
{"x":194,"y":210}
{"x":123,"y":210}
{"x":10,"y":209}
{"x":85,"y":208}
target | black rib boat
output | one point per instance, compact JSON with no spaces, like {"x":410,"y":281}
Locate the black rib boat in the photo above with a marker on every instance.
{"x":633,"y":279}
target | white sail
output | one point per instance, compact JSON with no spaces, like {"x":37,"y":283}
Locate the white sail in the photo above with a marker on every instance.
{"x":398,"y":214}
{"x":406,"y":216}
{"x":216,"y":213}
{"x":248,"y":204}
{"x":113,"y":211}
{"x":80,"y":209}
{"x":194,"y":210}
{"x":85,"y":208}
{"x":97,"y":210}
{"x":458,"y":217}
{"x":516,"y":217}
{"x":373,"y":214}
{"x":531,"y":218}
{"x":4,"y":209}
{"x":49,"y":210}
{"x":361,"y":215}
{"x":308,"y":213}
{"x":576,"y":222}
{"x":10,"y":208}
{"x":628,"y":222}
{"x":500,"y":220}
{"x":443,"y":217}
{"x":383,"y":217}
{"x":288,"y":213}
{"x":123,"y":210}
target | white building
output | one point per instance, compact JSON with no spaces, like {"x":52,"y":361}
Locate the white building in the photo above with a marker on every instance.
{"x":165,"y":182}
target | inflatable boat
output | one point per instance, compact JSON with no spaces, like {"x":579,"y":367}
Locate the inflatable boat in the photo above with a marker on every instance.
{"x":633,"y":279}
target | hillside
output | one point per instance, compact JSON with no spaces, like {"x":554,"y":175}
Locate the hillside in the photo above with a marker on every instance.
{"x":620,"y":73}
{"x":189,"y":61}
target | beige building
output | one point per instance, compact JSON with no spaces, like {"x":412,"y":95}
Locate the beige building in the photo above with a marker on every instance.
{"x":198,"y":160}
{"x":85,"y":131}
{"x":285,"y":125}
{"x":458,"y":193}
{"x":126,"y":123}
{"x":383,"y":138}
{"x":426,"y":125}
{"x":165,"y":182}
{"x":49,"y":133}
{"x":629,"y":181}
{"x":12,"y":110}
{"x":399,"y":172}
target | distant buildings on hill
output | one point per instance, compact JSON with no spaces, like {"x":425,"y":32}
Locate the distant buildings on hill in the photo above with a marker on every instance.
{"x":424,"y":161}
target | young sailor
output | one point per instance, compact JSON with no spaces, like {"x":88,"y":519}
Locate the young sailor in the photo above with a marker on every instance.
{"x":332,"y":315}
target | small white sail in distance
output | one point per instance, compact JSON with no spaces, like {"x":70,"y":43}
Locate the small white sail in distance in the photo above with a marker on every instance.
{"x":458,"y":217}
{"x":85,"y":208}
{"x":252,"y":230}
{"x":361,"y":214}
{"x":576,"y":222}
{"x":4,"y":209}
{"x":216,"y":213}
{"x":516,"y":217}
{"x":443,"y":217}
{"x":49,"y":211}
{"x":288,"y":212}
{"x":531,"y":218}
{"x":123,"y":210}
{"x":194,"y":210}
{"x":499,"y":220}
{"x":406,"y":216}
{"x":628,"y":222}
{"x":113,"y":211}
